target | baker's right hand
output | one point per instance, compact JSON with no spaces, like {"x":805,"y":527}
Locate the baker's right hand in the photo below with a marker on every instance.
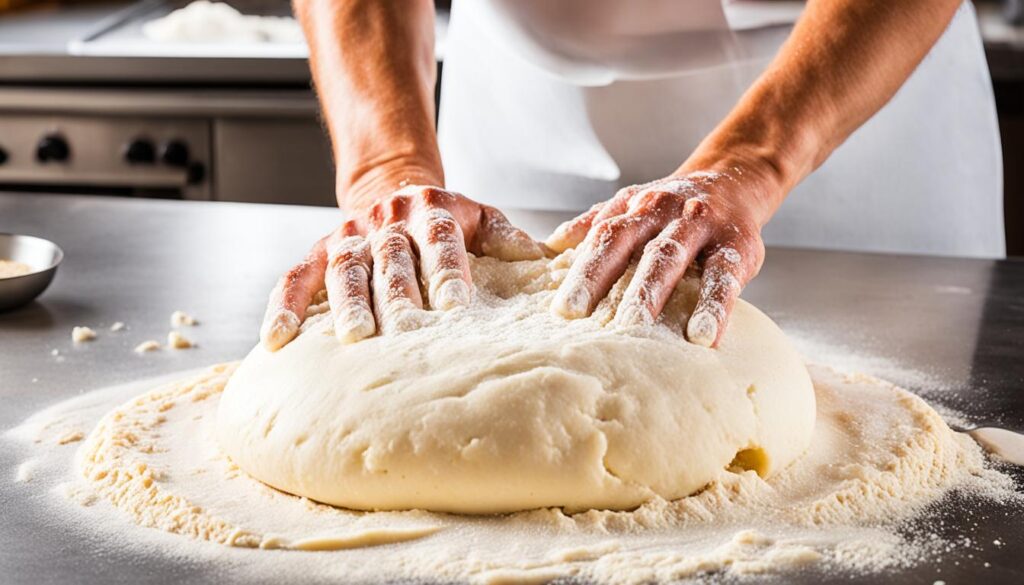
{"x":369,"y":265}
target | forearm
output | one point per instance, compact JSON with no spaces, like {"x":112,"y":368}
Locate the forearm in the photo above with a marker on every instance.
{"x":843,"y":61}
{"x":374,"y":70}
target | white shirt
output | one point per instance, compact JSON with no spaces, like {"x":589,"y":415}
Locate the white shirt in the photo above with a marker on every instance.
{"x":556,"y":104}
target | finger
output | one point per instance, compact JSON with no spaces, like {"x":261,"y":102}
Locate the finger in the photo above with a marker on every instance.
{"x":724,"y":276}
{"x":350,"y":228}
{"x":348,"y":285}
{"x":663,"y":263}
{"x":443,"y":259}
{"x":498,"y":238}
{"x":616,"y":206}
{"x":570,"y":233}
{"x":396,"y":293}
{"x":603,"y":258}
{"x":291,"y":297}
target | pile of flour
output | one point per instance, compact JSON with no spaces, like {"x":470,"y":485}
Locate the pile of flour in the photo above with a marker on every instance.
{"x":879,"y":457}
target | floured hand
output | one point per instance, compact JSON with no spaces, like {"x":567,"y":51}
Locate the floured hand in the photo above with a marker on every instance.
{"x":369,"y":264}
{"x":669,"y":224}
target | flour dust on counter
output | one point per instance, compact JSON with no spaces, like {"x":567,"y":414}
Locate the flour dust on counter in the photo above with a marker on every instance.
{"x":151,"y":476}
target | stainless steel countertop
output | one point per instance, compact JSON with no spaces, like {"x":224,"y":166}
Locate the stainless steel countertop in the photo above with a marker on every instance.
{"x":960,"y":321}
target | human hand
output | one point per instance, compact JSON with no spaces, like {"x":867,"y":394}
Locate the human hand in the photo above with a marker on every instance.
{"x":669,"y":223}
{"x":371,"y":261}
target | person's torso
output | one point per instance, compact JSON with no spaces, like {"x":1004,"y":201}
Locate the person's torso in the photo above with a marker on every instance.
{"x":555,"y":104}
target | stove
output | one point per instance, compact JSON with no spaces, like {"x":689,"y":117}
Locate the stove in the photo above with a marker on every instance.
{"x":89,"y":104}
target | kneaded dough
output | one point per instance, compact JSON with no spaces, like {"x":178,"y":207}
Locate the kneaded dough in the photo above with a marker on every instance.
{"x":503,"y":406}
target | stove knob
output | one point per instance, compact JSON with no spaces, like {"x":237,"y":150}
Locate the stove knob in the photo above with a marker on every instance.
{"x":140,"y":151}
{"x":174,"y":153}
{"x":3,"y":155}
{"x":52,"y":148}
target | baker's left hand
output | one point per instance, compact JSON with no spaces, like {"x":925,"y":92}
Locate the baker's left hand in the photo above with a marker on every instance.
{"x":711,"y":218}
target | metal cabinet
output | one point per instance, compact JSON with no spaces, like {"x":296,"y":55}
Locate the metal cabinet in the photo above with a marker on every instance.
{"x":268,"y":160}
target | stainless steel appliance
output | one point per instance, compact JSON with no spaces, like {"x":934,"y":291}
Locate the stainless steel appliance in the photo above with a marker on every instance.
{"x":89,"y":105}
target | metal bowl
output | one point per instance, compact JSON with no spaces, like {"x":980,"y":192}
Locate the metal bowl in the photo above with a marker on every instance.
{"x":42,"y":255}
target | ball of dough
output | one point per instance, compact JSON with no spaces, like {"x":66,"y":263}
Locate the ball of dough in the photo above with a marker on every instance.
{"x":503,"y":406}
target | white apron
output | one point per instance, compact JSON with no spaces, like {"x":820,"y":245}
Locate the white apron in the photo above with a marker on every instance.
{"x":556,"y":104}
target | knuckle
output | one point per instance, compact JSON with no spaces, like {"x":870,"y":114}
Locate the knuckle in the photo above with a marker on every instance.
{"x":613,"y":227}
{"x":349,"y":228}
{"x":390,"y":242}
{"x":433,"y":196}
{"x":297,"y":272}
{"x":660,"y":198}
{"x":442,"y":232}
{"x":696,"y":208}
{"x":350,"y":250}
{"x":395,"y":207}
{"x":663,"y":247}
{"x":626,"y":193}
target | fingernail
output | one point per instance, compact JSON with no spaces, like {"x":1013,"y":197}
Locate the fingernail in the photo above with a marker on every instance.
{"x":702,"y":329}
{"x":279,"y":329}
{"x":353,"y":324}
{"x":452,"y":293}
{"x":556,"y":241}
{"x":572,"y":302}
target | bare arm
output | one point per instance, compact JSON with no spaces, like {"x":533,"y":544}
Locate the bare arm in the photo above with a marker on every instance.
{"x":374,"y":70}
{"x":843,"y":61}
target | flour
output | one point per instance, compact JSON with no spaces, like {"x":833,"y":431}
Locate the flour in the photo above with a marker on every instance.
{"x":218,"y":22}
{"x":881,"y":457}
{"x":13,"y":268}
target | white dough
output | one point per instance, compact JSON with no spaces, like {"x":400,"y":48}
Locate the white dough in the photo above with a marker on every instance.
{"x":504,"y":406}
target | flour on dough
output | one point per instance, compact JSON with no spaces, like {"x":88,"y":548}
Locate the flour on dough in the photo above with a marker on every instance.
{"x":503,"y":406}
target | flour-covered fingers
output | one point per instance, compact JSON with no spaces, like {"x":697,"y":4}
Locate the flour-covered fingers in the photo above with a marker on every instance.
{"x":726,"y":271}
{"x":570,"y":233}
{"x":291,"y":297}
{"x":617,"y":205}
{"x":663,"y":263}
{"x":498,"y":238}
{"x":396,"y":291}
{"x":603,"y":258}
{"x":348,"y":285}
{"x":443,"y":259}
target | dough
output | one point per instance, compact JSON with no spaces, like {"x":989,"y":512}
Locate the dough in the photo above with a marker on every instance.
{"x":503,"y":406}
{"x":12,"y":268}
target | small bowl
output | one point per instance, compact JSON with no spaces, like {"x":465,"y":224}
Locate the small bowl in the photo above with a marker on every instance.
{"x":42,"y":255}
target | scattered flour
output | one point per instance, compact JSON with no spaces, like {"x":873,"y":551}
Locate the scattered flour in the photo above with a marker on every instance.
{"x":181,"y":319}
{"x":70,"y":437}
{"x":147,"y":346}
{"x":880,"y":458}
{"x":175,"y":340}
{"x":82,"y":334}
{"x":26,"y":470}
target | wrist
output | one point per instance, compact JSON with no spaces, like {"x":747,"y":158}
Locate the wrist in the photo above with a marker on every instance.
{"x":756,"y":180}
{"x":360,"y":188}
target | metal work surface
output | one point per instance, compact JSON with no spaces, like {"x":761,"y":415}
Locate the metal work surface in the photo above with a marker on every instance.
{"x":136,"y":261}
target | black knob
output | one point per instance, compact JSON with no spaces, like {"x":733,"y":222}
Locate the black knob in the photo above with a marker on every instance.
{"x":140,"y":151}
{"x":53,"y":148}
{"x":174,"y":153}
{"x":3,"y":155}
{"x":196,"y":173}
